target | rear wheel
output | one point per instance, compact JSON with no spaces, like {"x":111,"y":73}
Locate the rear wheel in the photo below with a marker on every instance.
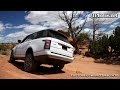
{"x":12,"y":59}
{"x":30,"y":64}
{"x":59,"y":66}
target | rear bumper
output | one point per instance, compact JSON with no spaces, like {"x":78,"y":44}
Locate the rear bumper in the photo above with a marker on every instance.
{"x":48,"y":57}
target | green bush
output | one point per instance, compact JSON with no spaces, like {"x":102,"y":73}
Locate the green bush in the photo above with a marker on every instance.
{"x":3,"y":48}
{"x":100,"y":46}
{"x":106,"y":46}
{"x":114,"y":40}
{"x":83,"y":36}
{"x":4,"y":52}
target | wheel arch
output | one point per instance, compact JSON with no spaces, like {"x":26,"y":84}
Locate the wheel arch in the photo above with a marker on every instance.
{"x":29,"y":50}
{"x":13,"y":50}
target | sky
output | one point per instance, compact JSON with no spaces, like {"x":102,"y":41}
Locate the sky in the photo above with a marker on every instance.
{"x":16,"y":25}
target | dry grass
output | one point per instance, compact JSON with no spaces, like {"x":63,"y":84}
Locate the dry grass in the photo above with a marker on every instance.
{"x":6,"y":48}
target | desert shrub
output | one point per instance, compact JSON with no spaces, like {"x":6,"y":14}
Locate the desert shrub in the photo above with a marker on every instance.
{"x":3,"y":48}
{"x":83,"y":36}
{"x":114,"y":41}
{"x":100,"y":46}
{"x":4,"y":52}
{"x":117,"y":39}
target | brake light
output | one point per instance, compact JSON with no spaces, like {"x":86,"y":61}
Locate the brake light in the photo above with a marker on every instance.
{"x":47,"y":44}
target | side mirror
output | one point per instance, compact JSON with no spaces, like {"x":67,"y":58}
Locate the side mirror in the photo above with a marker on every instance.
{"x":19,"y":41}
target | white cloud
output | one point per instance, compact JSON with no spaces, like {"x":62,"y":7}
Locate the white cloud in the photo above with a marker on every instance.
{"x":80,"y":22}
{"x":27,"y":29}
{"x":1,"y":26}
{"x":90,"y":31}
{"x":33,"y":28}
{"x":15,"y":36}
{"x":110,"y":32}
{"x":87,"y":30}
{"x":102,"y":29}
{"x":8,"y":25}
{"x":36,"y":17}
{"x":1,"y":39}
{"x":47,"y":18}
{"x":20,"y":26}
{"x":114,"y":25}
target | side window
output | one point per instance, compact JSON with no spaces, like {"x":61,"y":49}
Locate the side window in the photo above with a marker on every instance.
{"x":35,"y":35}
{"x":24,"y":39}
{"x":45,"y":33}
{"x":30,"y":37}
{"x":40,"y":34}
{"x":51,"y":34}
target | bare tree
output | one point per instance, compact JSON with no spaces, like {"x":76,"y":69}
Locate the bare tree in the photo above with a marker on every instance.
{"x":70,"y":20}
{"x":96,"y":24}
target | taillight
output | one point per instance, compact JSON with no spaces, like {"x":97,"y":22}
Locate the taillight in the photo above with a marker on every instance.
{"x":47,"y":44}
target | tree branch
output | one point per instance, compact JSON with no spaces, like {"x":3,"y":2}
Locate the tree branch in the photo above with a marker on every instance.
{"x":62,"y":18}
{"x":81,"y":27}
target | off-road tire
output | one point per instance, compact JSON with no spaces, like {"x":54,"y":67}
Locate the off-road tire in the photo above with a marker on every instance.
{"x":12,"y":59}
{"x":30,"y":64}
{"x":59,"y":67}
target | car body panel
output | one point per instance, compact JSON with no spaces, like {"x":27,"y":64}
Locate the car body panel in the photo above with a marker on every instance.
{"x":59,"y":50}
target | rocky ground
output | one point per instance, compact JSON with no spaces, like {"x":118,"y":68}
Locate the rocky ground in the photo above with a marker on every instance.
{"x":81,"y":68}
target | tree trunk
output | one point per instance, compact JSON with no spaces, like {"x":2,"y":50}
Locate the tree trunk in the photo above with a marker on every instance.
{"x":77,"y":49}
{"x":75,"y":45}
{"x":74,"y":42}
{"x":94,"y":35}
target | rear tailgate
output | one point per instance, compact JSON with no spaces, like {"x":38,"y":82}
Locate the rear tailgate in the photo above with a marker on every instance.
{"x":60,"y":47}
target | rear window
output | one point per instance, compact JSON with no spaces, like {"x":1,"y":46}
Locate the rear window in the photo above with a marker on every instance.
{"x":40,"y":34}
{"x":57,"y":35}
{"x":50,"y":33}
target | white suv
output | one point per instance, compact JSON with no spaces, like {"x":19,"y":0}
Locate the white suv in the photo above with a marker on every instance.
{"x":43,"y":47}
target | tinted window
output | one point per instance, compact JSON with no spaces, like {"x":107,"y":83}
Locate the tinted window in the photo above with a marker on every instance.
{"x":41,"y":34}
{"x":57,"y":35}
{"x":24,"y":39}
{"x":29,"y":37}
{"x":34,"y":35}
{"x":46,"y":33}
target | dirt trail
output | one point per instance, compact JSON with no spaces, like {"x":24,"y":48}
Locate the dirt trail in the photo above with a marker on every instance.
{"x":80,"y":68}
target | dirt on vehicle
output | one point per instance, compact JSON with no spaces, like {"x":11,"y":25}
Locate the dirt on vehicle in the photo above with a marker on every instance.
{"x":81,"y":68}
